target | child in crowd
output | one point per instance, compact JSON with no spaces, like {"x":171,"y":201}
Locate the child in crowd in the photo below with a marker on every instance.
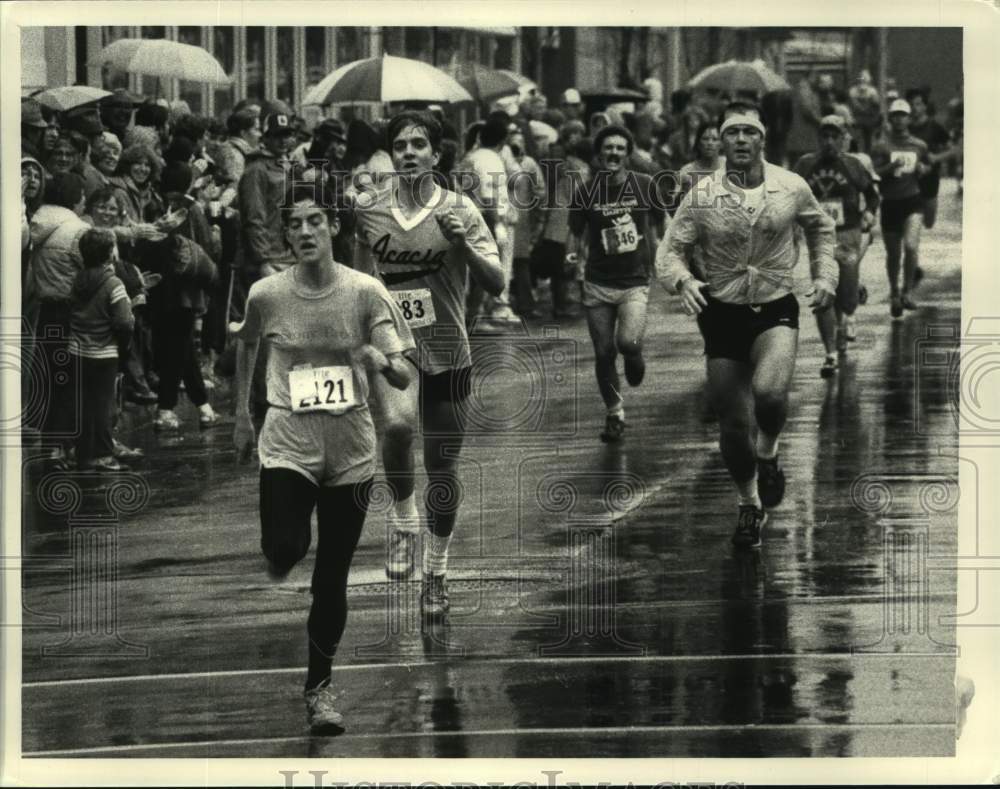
{"x":100,"y":329}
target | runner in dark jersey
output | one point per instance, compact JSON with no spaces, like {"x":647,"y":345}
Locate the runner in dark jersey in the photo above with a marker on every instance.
{"x":939,"y":149}
{"x":900,"y":161}
{"x":839,"y":181}
{"x":614,"y":216}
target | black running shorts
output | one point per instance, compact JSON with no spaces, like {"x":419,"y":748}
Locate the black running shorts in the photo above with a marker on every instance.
{"x":894,"y":212}
{"x":451,"y":386}
{"x":730,"y":330}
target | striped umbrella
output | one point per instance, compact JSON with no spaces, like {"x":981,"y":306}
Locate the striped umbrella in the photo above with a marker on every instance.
{"x":384,"y":80}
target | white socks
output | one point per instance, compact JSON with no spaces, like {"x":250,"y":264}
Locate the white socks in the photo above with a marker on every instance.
{"x":767,"y":447}
{"x":405,"y":516}
{"x":435,"y":554}
{"x":746,"y":493}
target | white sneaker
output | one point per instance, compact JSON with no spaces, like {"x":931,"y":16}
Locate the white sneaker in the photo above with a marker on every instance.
{"x":320,"y":710}
{"x":502,"y":313}
{"x":400,"y":553}
{"x":166,"y":420}
{"x":207,"y":416}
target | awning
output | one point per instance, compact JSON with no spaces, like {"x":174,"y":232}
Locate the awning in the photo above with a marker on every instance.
{"x":492,"y":31}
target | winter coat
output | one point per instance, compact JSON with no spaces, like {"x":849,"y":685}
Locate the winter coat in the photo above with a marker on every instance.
{"x":261,"y":195}
{"x":55,"y":258}
{"x":186,"y":268}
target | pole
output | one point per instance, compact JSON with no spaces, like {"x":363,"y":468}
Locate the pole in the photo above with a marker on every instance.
{"x":883,"y":64}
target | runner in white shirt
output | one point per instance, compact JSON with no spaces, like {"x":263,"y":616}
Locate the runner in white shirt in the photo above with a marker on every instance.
{"x":328,"y":327}
{"x":424,"y":242}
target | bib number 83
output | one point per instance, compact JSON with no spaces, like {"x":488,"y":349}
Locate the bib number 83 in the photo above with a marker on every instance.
{"x":412,"y":309}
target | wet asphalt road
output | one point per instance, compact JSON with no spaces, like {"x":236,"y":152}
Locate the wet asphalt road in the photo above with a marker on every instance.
{"x":597,"y":607}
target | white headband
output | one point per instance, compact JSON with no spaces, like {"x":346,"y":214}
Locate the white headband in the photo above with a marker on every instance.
{"x":741,"y":120}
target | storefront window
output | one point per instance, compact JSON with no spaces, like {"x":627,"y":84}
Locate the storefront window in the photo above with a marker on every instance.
{"x":152,"y":86}
{"x":392,"y":41}
{"x":504,"y":55}
{"x":224,"y":49}
{"x":445,"y":42}
{"x":419,"y":43}
{"x":286,"y":64}
{"x":350,"y":44}
{"x":190,"y":91}
{"x":112,"y":78}
{"x":255,"y":63}
{"x":315,"y":55}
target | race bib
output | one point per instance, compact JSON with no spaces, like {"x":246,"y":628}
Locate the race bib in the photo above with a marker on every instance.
{"x":328,"y":389}
{"x":620,"y":239}
{"x":417,"y":307}
{"x":834,"y":209}
{"x":908,"y":158}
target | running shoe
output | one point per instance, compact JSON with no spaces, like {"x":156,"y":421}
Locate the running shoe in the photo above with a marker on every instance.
{"x":207,"y":416}
{"x":57,"y":460}
{"x":122,"y":452}
{"x":635,"y":369}
{"x":749,"y":526}
{"x":770,"y":482}
{"x":434,"y":602}
{"x":107,"y":465}
{"x":829,"y":367}
{"x":399,"y":555}
{"x":908,"y":303}
{"x":896,"y":307}
{"x":862,"y":294}
{"x":166,"y":420}
{"x":320,"y":710}
{"x":614,"y":429}
{"x":140,"y":396}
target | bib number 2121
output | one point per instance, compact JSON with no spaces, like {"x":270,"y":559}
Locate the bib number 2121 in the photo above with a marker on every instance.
{"x":322,"y":389}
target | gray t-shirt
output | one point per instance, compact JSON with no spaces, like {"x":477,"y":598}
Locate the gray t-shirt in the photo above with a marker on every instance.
{"x":306,"y":330}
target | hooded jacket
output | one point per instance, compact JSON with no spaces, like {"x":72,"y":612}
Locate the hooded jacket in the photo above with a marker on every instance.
{"x":55,"y":259}
{"x":101,"y":320}
{"x":261,"y":194}
{"x":141,"y":205}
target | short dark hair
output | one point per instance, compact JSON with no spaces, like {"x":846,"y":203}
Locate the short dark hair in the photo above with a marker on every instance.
{"x":703,"y":127}
{"x":241,"y":121}
{"x":321,"y":193}
{"x":494,"y":131}
{"x":613,"y":131}
{"x":191,"y":126}
{"x":64,"y":189}
{"x":419,"y":118}
{"x":96,"y":246}
{"x":152,"y":114}
{"x":921,"y":92}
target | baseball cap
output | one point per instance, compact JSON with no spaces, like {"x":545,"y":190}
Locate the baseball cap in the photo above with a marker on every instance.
{"x":277,"y":123}
{"x":31,"y":114}
{"x":571,"y":96}
{"x":332,"y":129}
{"x":741,"y":120}
{"x":899,"y":105}
{"x":833,"y":121}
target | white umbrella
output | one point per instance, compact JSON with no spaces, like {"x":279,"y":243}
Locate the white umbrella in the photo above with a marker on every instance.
{"x":69,"y":97}
{"x":386,"y":79}
{"x":543,"y":131}
{"x":160,"y":57}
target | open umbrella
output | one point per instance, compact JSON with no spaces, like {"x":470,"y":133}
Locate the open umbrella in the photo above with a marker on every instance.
{"x":736,"y":76}
{"x":160,"y":57}
{"x":70,"y":97}
{"x":383,"y":80}
{"x":484,"y":84}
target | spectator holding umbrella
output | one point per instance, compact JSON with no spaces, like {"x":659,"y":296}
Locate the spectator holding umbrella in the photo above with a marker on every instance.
{"x":116,"y":113}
